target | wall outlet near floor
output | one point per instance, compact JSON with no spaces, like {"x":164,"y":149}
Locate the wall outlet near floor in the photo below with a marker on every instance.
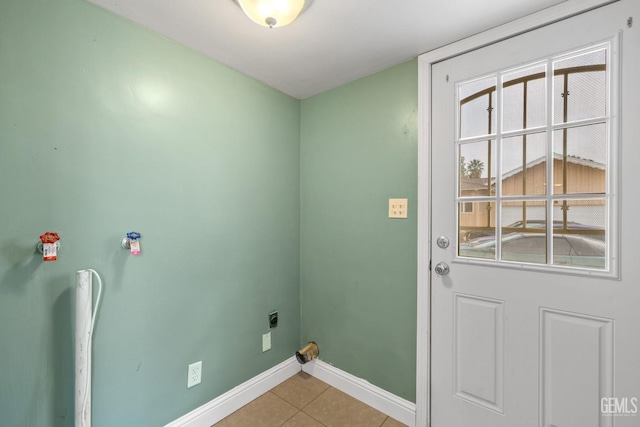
{"x":398,"y":208}
{"x":266,"y":342}
{"x":194,"y":375}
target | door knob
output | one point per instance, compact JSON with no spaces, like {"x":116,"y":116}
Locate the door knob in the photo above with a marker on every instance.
{"x":442,"y":269}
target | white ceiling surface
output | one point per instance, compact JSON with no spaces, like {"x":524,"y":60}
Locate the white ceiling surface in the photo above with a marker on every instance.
{"x":333,"y":42}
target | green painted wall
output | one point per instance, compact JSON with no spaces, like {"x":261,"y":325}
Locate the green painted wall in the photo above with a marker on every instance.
{"x":106,"y":128}
{"x":358,"y":268}
{"x":248,"y":201}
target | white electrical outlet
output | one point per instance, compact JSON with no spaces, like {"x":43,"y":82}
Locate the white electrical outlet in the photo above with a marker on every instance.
{"x":398,"y":208}
{"x":194,"y":376}
{"x":266,"y":342}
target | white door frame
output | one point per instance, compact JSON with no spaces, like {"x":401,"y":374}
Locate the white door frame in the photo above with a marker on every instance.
{"x":425,"y":61}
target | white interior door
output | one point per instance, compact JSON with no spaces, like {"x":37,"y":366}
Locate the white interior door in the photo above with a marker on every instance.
{"x":535,"y":152}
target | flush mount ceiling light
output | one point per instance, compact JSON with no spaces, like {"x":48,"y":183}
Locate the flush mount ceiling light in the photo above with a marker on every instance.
{"x":272,"y":13}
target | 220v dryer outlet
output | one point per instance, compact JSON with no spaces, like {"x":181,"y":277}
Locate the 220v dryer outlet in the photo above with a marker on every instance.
{"x":273,"y":319}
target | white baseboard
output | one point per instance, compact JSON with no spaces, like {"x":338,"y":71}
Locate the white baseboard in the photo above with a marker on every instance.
{"x":229,"y":402}
{"x":385,"y":402}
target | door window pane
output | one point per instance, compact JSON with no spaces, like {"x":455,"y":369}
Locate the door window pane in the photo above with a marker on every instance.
{"x":524,"y":216}
{"x":584,"y":252}
{"x":524,"y":231}
{"x":579,"y":160}
{"x":580,"y":87}
{"x":586,"y":217}
{"x":524,"y":165}
{"x":524,"y":98}
{"x":478,"y":225}
{"x":477,"y":107}
{"x":582,"y":224}
{"x":475,"y":159}
{"x":521,"y":247}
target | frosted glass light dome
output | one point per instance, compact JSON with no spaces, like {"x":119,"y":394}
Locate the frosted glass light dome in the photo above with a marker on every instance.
{"x":272,"y":13}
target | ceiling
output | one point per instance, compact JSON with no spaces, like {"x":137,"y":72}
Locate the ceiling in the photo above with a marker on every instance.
{"x":333,"y":42}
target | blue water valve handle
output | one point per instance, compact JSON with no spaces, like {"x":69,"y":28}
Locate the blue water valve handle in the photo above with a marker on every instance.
{"x":133,"y":235}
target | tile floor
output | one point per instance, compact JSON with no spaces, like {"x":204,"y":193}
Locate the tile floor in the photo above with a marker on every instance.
{"x":305,"y":401}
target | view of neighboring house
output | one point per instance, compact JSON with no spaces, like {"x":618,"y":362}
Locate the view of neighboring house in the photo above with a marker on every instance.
{"x":582,"y":176}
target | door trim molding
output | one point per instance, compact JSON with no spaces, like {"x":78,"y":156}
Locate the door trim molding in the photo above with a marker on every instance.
{"x":425,"y":61}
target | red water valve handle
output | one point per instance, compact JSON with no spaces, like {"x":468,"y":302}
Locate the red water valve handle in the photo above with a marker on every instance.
{"x":49,"y":237}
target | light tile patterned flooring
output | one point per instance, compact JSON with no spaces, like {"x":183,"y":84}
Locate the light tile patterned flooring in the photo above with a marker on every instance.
{"x":305,"y":401}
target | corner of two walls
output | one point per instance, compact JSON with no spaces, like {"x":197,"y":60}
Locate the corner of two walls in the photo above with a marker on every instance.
{"x":247,"y":200}
{"x":358,"y":269}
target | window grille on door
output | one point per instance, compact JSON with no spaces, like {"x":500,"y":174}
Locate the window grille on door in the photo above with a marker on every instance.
{"x":534,"y":163}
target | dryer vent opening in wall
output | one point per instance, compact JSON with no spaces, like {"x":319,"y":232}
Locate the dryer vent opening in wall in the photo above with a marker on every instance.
{"x":307,"y":353}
